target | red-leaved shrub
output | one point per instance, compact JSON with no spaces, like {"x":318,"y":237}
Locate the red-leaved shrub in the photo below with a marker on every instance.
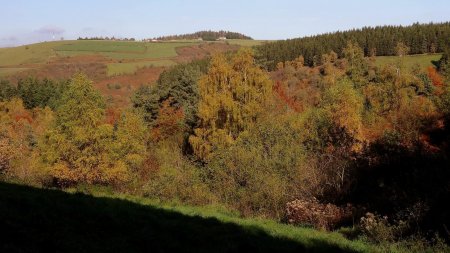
{"x":320,"y":216}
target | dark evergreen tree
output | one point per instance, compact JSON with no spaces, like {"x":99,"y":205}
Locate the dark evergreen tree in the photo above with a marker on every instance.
{"x":40,"y":93}
{"x":206,"y":35}
{"x":179,"y":84}
{"x":7,"y":90}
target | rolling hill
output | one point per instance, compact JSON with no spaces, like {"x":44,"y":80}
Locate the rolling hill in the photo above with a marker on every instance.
{"x":119,"y":67}
{"x":130,"y":55}
{"x":109,"y":64}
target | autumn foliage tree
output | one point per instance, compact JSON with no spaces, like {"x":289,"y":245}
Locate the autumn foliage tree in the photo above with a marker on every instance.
{"x":436,"y":79}
{"x":232,"y":96}
{"x":80,"y":147}
{"x":129,"y":140}
{"x":20,"y":130}
{"x":344,"y":106}
{"x":15,"y":127}
{"x":169,"y":123}
{"x":357,"y":65}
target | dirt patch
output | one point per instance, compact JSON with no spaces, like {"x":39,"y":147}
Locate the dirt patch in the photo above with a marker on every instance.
{"x":195,"y":52}
{"x":118,"y":89}
{"x":63,"y":71}
{"x":61,"y":68}
{"x":97,"y":58}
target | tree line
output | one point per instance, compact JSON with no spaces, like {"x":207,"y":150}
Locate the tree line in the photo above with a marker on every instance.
{"x":206,"y":35}
{"x":106,"y":38}
{"x":375,"y":41}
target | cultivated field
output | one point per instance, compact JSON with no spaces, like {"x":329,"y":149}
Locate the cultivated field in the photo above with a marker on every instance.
{"x":131,"y":67}
{"x":121,"y":50}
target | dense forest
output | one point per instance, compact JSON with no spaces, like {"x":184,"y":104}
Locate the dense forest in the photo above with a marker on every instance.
{"x":375,"y":41}
{"x":342,"y":145}
{"x":206,"y":35}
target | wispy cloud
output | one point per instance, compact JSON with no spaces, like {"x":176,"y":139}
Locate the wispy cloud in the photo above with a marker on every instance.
{"x":8,"y":41}
{"x":88,"y":29}
{"x":53,"y":30}
{"x":91,"y":31}
{"x":45,"y":33}
{"x":10,"y":38}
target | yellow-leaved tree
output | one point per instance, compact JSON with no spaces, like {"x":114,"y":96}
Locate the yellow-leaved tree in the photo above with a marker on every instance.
{"x":81,"y":147}
{"x":233,"y":94}
{"x":344,"y":106}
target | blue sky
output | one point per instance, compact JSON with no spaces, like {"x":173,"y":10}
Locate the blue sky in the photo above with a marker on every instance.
{"x":33,"y":21}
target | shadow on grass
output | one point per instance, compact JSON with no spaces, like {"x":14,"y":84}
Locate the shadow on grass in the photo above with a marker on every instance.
{"x":39,"y":220}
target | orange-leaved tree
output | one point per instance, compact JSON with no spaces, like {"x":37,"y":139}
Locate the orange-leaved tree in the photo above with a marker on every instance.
{"x":437,"y":80}
{"x":169,"y":123}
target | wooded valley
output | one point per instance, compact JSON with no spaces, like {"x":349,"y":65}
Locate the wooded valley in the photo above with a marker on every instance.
{"x":310,"y":132}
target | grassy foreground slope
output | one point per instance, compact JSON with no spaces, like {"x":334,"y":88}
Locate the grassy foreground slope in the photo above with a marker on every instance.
{"x":39,"y":220}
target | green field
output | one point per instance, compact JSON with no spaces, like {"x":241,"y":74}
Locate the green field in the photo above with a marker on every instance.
{"x":101,"y":222}
{"x":247,"y":43}
{"x":423,"y":60}
{"x":131,"y":67}
{"x":120,"y":50}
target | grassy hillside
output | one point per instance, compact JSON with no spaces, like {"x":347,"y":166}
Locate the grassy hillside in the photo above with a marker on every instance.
{"x":120,"y":57}
{"x":41,"y":52}
{"x":247,"y":43}
{"x":423,"y":60}
{"x":30,"y":54}
{"x":131,"y":67}
{"x":107,"y":63}
{"x":121,"y":50}
{"x":75,"y":222}
{"x":124,"y":57}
